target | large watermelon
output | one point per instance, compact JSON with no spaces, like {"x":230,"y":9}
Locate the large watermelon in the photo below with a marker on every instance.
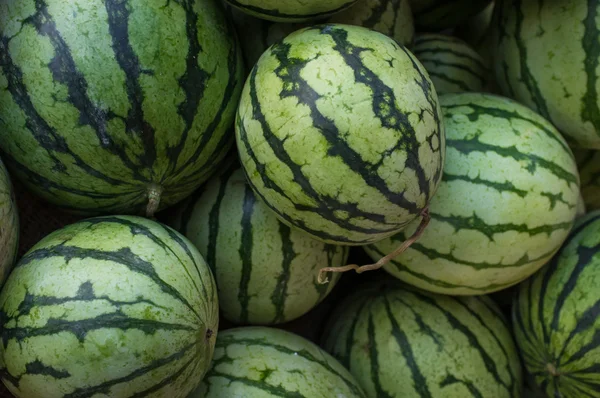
{"x":556,"y":317}
{"x":547,"y":57}
{"x":110,"y":306}
{"x":507,"y":200}
{"x":404,"y":343}
{"x":266,"y":272}
{"x":291,"y":10}
{"x":9,"y":225}
{"x":269,"y":363}
{"x":116,"y":106}
{"x":436,"y":15}
{"x":589,"y":171}
{"x":339,"y":131}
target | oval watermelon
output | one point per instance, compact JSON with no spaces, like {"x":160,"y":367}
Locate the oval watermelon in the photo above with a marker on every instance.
{"x":265,"y":362}
{"x":556,"y":316}
{"x":116,"y":106}
{"x":339,"y":131}
{"x":111,"y":306}
{"x":9,"y":225}
{"x":266,"y":272}
{"x":588,"y":163}
{"x":507,"y":200}
{"x":405,"y":343}
{"x":547,"y":58}
{"x":291,"y":10}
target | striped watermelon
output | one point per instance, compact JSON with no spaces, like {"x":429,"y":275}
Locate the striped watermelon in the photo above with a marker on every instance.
{"x":9,"y":225}
{"x":266,"y":272}
{"x":589,"y":171}
{"x":291,"y":10}
{"x":556,"y":317}
{"x":547,"y":57}
{"x":265,"y":362}
{"x":116,"y":106}
{"x":436,"y":15}
{"x":109,"y":306}
{"x":451,"y":63}
{"x":405,"y":343}
{"x":339,"y":132}
{"x":507,"y":200}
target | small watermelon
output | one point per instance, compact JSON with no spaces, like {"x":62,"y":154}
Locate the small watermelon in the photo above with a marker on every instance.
{"x":9,"y":225}
{"x":547,"y":57}
{"x":507,"y":200}
{"x":404,"y":343}
{"x":269,"y":363}
{"x":589,"y":171}
{"x":116,"y":106}
{"x":291,"y":10}
{"x":339,"y":132}
{"x":437,"y":15}
{"x":452,"y":64}
{"x":109,"y":306}
{"x":556,"y":317}
{"x":266,"y":272}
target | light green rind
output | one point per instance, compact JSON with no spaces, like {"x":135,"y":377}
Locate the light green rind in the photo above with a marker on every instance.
{"x":559,"y":81}
{"x":589,"y":171}
{"x":266,"y":272}
{"x":452,"y":65}
{"x":260,"y":362}
{"x":556,"y":317}
{"x":351,"y":102}
{"x":437,"y":15}
{"x":110,"y":306}
{"x":102,"y":102}
{"x":507,"y":201}
{"x":9,"y":225}
{"x":291,"y":10}
{"x":404,"y":343}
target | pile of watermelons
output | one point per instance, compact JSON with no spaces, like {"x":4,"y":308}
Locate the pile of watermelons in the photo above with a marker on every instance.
{"x":300,"y":198}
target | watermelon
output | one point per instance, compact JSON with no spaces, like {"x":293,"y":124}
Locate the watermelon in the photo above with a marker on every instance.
{"x":556,"y":317}
{"x":119,"y":106}
{"x":405,"y":343}
{"x":452,"y":64}
{"x":437,"y":15}
{"x":475,"y":30}
{"x":339,"y":132}
{"x":116,"y":306}
{"x":547,"y":57}
{"x":266,"y":272}
{"x":9,"y":225}
{"x":589,"y":171}
{"x":266,"y":362}
{"x":507,"y":200}
{"x":291,"y":10}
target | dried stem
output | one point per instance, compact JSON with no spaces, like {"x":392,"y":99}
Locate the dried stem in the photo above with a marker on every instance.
{"x":154,"y":193}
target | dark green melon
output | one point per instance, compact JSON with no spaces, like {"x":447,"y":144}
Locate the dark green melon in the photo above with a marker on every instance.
{"x":437,"y":15}
{"x":9,"y":225}
{"x":116,"y":106}
{"x":291,"y":10}
{"x":589,"y":171}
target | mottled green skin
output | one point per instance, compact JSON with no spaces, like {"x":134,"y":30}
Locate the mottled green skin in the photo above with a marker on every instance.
{"x":558,"y":81}
{"x":110,"y":306}
{"x":404,"y":343}
{"x":507,"y":200}
{"x":266,"y":272}
{"x":9,"y":225}
{"x":437,"y":15}
{"x":589,"y":171}
{"x":452,"y":64}
{"x":261,"y":362}
{"x":291,"y":10}
{"x":556,"y":317}
{"x":104,"y":101}
{"x":339,"y":131}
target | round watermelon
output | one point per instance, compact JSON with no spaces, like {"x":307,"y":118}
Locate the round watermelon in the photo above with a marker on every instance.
{"x":547,"y":58}
{"x":404,"y":343}
{"x":556,"y":317}
{"x":588,"y":163}
{"x":339,"y":132}
{"x":266,"y":272}
{"x":116,"y":306}
{"x":269,"y":363}
{"x":437,"y":15}
{"x":507,"y":200}
{"x":119,"y":106}
{"x":291,"y":10}
{"x":9,"y":225}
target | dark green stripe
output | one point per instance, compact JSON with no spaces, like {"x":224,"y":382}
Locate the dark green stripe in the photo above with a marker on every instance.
{"x":436,"y":38}
{"x":462,"y":85}
{"x":279,"y":14}
{"x":245,"y":251}
{"x":526,"y":333}
{"x":281,"y":289}
{"x":168,"y":381}
{"x":584,"y":323}
{"x":450,"y":380}
{"x":423,"y":327}
{"x":501,"y":187}
{"x":377,"y":13}
{"x":590,"y":111}
{"x":37,"y":367}
{"x":265,"y":388}
{"x":436,"y":51}
{"x":346,"y":359}
{"x":452,"y":65}
{"x":374,"y":360}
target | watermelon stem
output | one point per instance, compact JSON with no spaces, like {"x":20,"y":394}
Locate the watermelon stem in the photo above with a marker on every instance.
{"x":426,"y":218}
{"x":552,"y":370}
{"x":154,"y":193}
